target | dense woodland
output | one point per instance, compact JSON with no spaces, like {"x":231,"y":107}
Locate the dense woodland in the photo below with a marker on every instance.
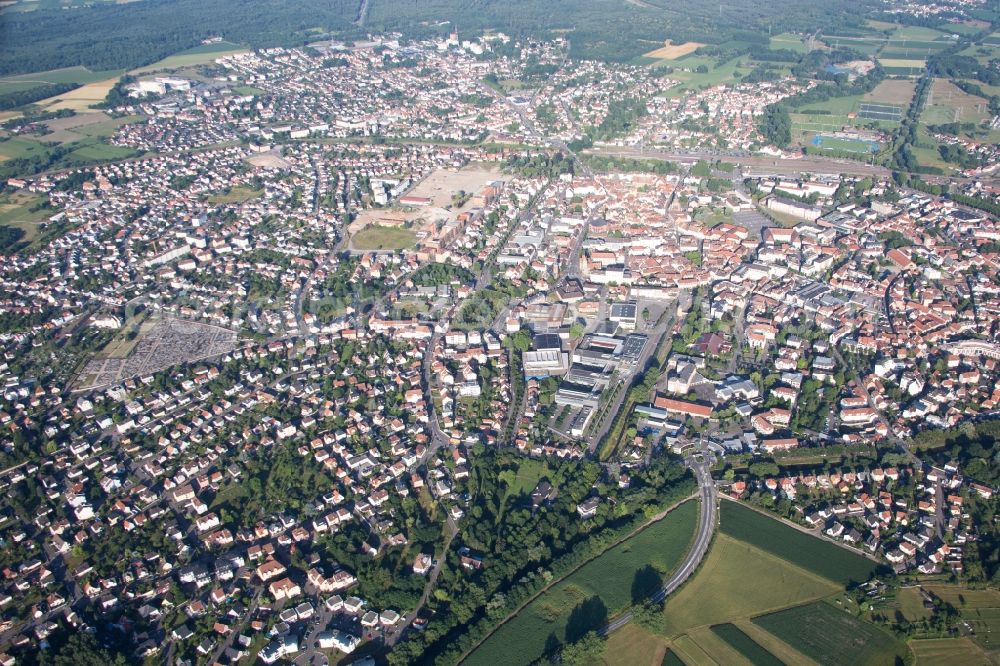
{"x":121,"y":36}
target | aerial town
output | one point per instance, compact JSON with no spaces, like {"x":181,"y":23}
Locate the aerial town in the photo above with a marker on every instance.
{"x":395,"y":350}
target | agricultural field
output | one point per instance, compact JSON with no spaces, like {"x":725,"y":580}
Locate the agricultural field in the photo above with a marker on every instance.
{"x":739,"y":581}
{"x":379,"y":237}
{"x":949,"y":652}
{"x":81,"y":99}
{"x":833,"y":637}
{"x":746,"y":646}
{"x":820,"y":557}
{"x":595,"y":592}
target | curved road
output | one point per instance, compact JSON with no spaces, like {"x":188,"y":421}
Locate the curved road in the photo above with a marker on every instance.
{"x":703,"y":538}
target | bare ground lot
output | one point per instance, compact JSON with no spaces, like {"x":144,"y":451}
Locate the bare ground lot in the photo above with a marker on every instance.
{"x":440,"y":187}
{"x":671,"y":51}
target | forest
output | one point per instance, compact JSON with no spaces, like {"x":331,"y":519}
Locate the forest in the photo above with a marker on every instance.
{"x":123,"y":36}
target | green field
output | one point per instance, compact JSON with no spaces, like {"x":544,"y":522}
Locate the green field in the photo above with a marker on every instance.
{"x":789,"y":41}
{"x":199,"y":55}
{"x":96,"y":151}
{"x":378,"y":237}
{"x":818,"y":556}
{"x":745,"y":645}
{"x":833,"y":637}
{"x":602,"y":587}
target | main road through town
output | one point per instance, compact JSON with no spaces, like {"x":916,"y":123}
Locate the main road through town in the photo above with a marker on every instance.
{"x":702,"y":540}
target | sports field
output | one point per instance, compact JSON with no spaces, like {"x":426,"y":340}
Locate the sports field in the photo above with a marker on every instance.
{"x":947,"y":103}
{"x":844,"y":144}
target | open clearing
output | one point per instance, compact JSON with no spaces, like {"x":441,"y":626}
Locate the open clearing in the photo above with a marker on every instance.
{"x":833,"y":637}
{"x":738,"y":581}
{"x":670,"y":51}
{"x":595,"y":592}
{"x":816,"y":555}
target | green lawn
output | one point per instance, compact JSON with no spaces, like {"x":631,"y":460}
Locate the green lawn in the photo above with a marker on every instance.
{"x":238,"y":194}
{"x":811,"y":553}
{"x":378,"y":237}
{"x":529,"y":472}
{"x":597,"y":590}
{"x":833,"y":637}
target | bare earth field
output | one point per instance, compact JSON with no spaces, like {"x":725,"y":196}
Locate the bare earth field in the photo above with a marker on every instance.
{"x":81,"y":99}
